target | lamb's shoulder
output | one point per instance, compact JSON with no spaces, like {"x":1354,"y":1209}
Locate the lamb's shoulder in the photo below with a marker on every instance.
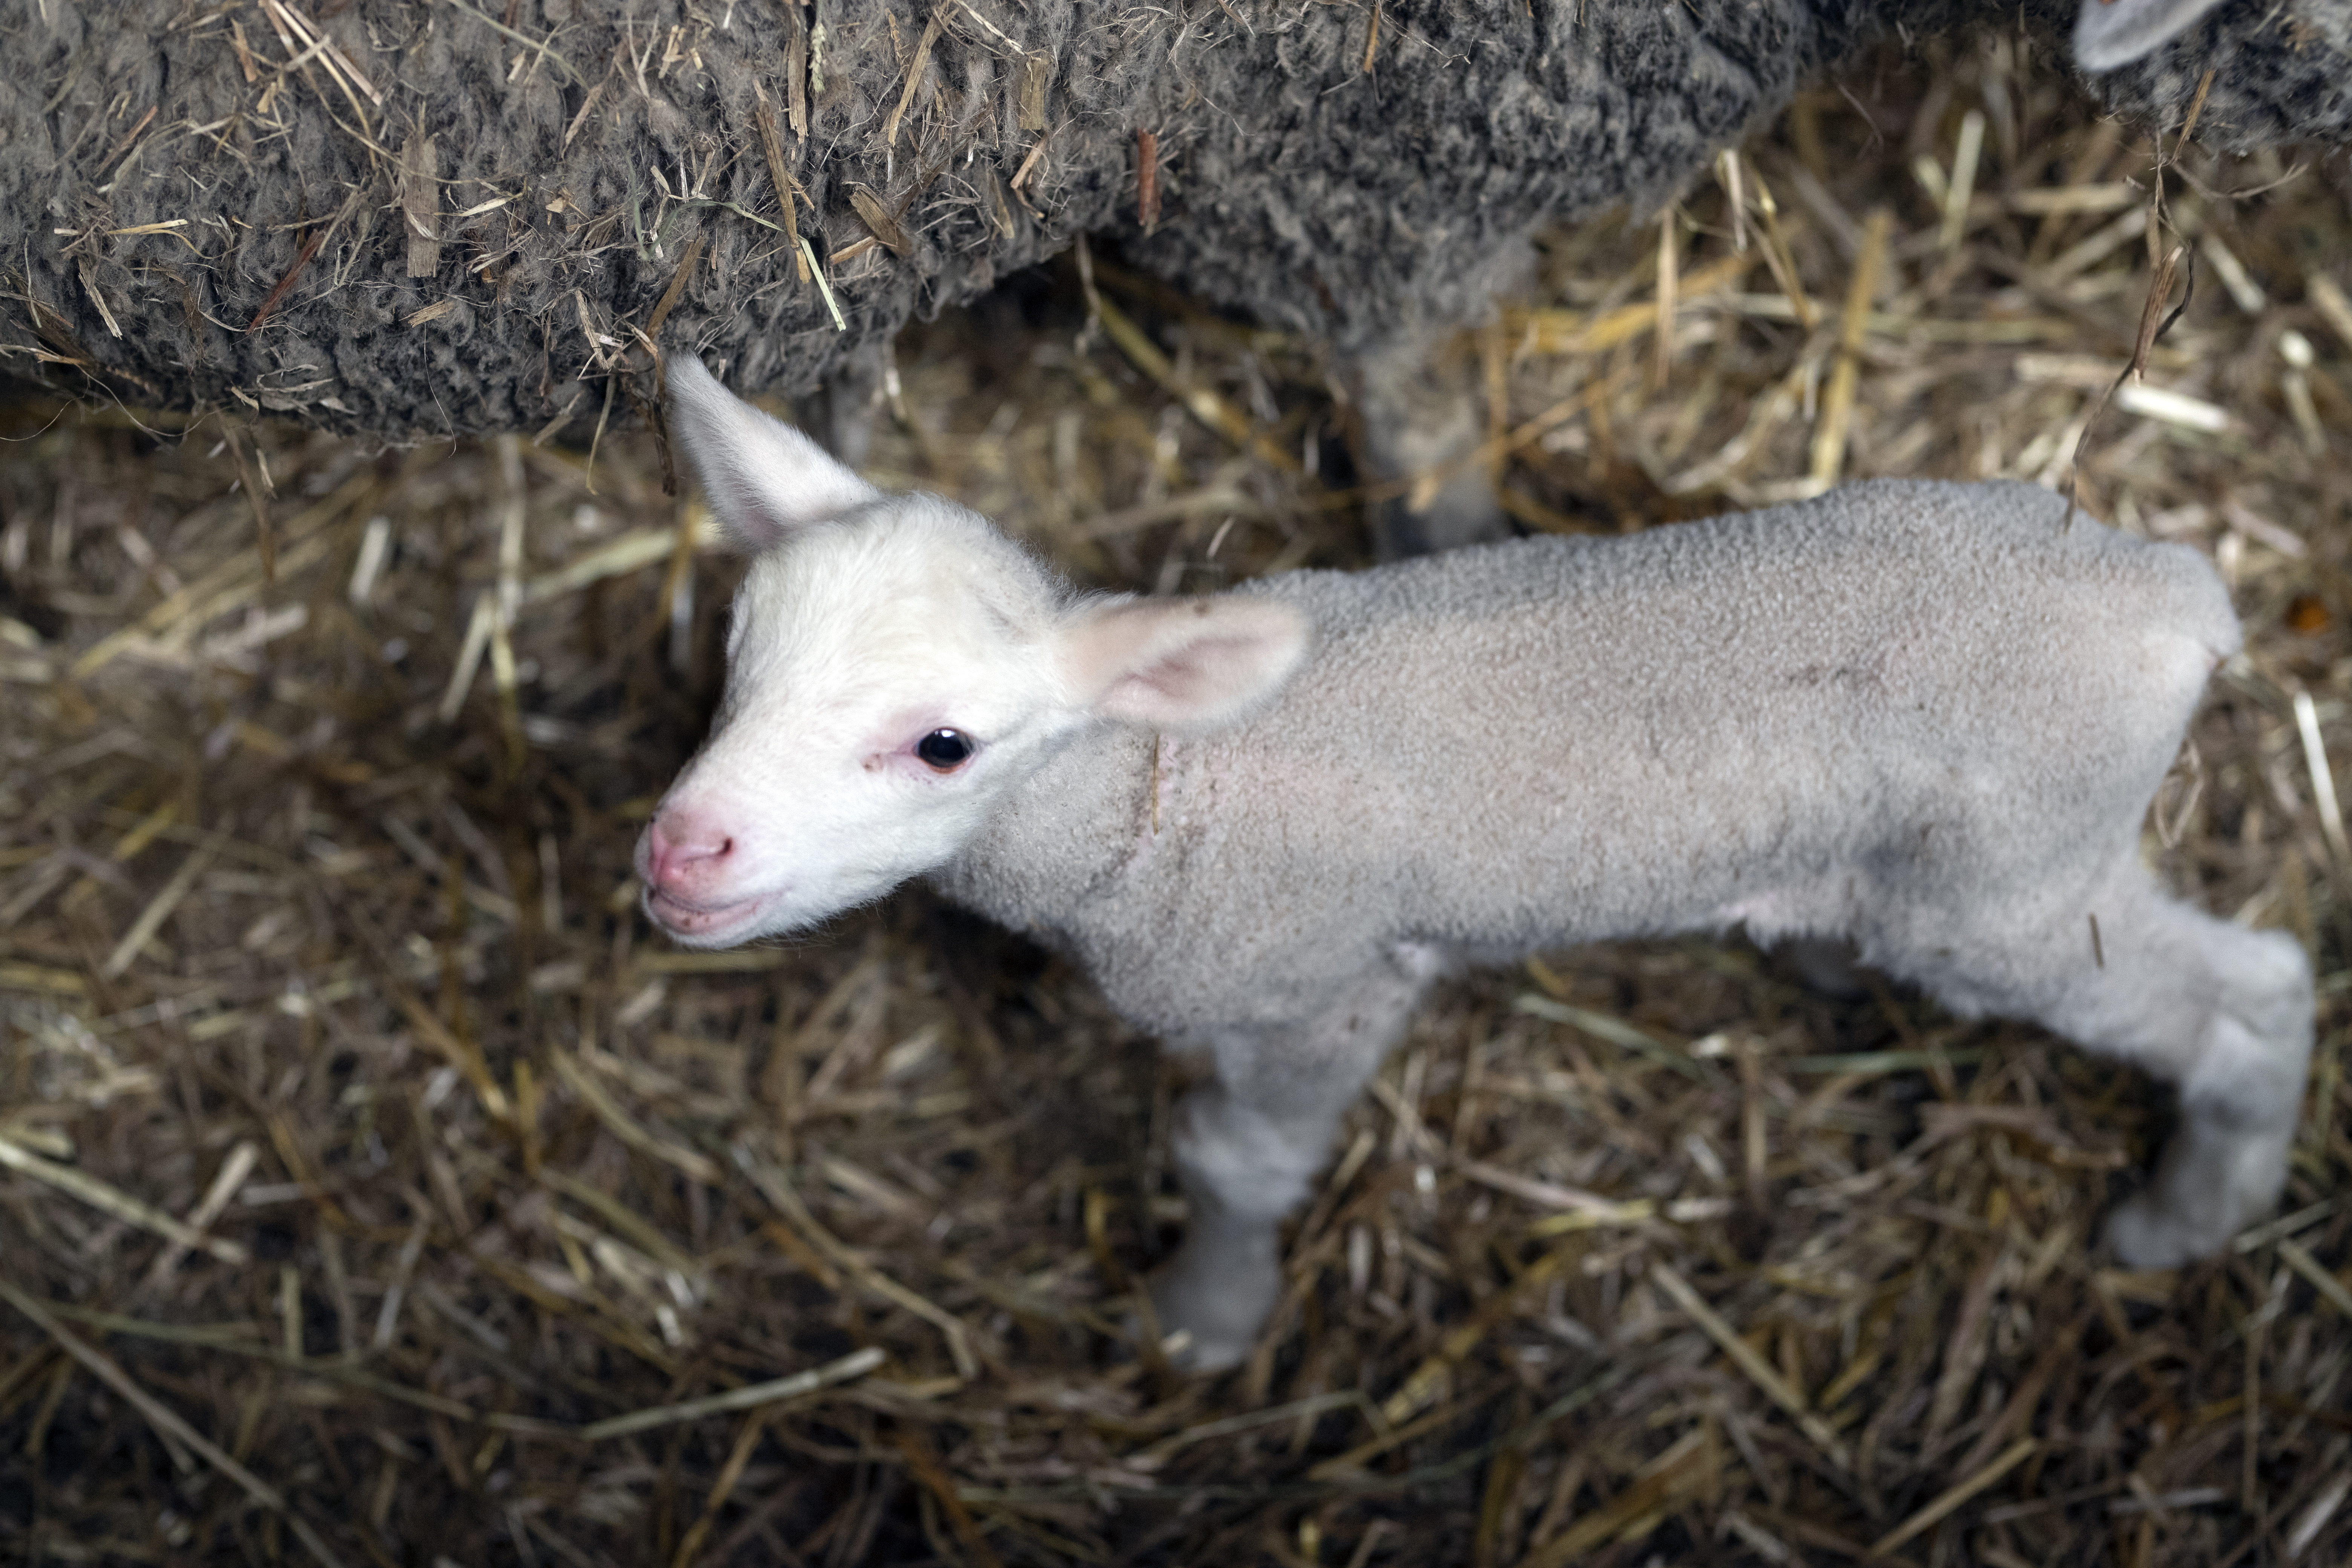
{"x":1059,"y":841}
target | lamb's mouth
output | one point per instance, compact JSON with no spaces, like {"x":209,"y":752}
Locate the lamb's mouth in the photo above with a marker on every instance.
{"x":698,"y":923}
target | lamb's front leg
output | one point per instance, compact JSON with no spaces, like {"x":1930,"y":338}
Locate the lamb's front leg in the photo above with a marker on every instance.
{"x":1248,"y":1145}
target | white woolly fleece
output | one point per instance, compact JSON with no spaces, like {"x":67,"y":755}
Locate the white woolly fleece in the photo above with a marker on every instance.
{"x":1858,"y":716}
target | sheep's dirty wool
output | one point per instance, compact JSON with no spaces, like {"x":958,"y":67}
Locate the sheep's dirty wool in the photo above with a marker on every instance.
{"x":376,"y":1185}
{"x":423,"y":220}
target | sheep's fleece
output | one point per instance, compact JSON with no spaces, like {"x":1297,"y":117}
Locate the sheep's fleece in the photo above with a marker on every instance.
{"x":167,"y":180}
{"x":1926,"y":717}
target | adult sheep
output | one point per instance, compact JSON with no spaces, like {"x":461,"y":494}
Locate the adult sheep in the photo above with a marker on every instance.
{"x":415,"y":220}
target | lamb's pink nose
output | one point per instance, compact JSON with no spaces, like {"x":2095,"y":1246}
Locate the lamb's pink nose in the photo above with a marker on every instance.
{"x":681,"y":847}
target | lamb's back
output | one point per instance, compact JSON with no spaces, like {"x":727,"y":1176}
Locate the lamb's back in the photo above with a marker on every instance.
{"x":1598,"y":732}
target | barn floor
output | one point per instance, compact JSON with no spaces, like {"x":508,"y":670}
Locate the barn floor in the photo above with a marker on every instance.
{"x":374,"y":1187}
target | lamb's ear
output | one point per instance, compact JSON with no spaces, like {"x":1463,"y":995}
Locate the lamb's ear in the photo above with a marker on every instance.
{"x":2112,"y":33}
{"x":1184,"y":664}
{"x":763,"y":478}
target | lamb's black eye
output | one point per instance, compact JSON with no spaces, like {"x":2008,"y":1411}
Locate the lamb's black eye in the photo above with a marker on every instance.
{"x":944,"y":751}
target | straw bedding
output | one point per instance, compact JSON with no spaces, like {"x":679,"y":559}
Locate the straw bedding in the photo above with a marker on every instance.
{"x":374,"y":1188}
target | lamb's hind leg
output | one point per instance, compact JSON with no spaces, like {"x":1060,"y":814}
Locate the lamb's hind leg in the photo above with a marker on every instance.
{"x":1248,"y":1148}
{"x":2223,"y":1012}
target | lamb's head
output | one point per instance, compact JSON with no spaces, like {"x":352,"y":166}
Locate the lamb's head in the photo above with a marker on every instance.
{"x":896,"y":668}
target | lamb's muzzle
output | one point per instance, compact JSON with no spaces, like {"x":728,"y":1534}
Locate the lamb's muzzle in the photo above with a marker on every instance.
{"x":685,"y":863}
{"x":1923,"y":717}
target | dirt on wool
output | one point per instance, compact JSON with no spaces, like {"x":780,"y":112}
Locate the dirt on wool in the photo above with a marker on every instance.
{"x":412,"y":221}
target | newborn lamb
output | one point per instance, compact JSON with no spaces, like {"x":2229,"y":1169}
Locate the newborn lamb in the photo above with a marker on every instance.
{"x":1926,"y":717}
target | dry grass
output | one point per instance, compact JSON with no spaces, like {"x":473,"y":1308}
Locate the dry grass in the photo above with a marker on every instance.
{"x":376,"y":1189}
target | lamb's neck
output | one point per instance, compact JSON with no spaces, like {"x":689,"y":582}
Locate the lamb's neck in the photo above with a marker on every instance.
{"x":1062,"y":834}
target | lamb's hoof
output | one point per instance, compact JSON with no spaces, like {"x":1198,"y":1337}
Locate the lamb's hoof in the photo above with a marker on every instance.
{"x":2143,"y":1234}
{"x":1218,"y":1317}
{"x":1828,"y":966}
{"x":1195,"y":1358}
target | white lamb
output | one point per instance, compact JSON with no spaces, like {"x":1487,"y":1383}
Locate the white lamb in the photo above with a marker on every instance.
{"x":1924,"y":717}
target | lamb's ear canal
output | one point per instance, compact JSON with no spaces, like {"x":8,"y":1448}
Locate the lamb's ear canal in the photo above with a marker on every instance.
{"x":764,"y":478}
{"x":1184,"y":664}
{"x":2112,"y":33}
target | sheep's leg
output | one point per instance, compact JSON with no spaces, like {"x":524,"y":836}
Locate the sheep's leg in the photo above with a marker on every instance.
{"x":1418,"y":416}
{"x":840,"y":415}
{"x":1248,"y":1148}
{"x":2223,"y":1012}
